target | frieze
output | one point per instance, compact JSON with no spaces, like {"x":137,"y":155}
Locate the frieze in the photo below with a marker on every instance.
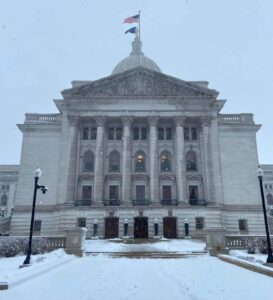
{"x":167,"y":177}
{"x":86,"y":176}
{"x":140,"y":177}
{"x":110,"y":177}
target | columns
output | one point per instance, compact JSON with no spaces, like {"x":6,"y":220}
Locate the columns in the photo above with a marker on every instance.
{"x":153,"y":159}
{"x":72,"y":159}
{"x":126,"y":160}
{"x":181,"y":182}
{"x":99,"y":162}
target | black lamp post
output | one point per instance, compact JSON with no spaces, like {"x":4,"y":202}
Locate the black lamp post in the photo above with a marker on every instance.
{"x":260,"y":174}
{"x":38,"y":174}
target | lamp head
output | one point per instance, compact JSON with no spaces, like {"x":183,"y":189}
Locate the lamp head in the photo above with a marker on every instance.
{"x":260,"y":172}
{"x":38,"y":172}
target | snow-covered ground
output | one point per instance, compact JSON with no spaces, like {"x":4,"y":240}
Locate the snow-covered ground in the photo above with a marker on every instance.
{"x":163,"y":245}
{"x":58,"y":276}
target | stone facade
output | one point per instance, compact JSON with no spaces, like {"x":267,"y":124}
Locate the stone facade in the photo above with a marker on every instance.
{"x":140,"y":146}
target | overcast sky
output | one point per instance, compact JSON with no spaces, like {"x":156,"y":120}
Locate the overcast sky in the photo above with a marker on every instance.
{"x":47,"y":44}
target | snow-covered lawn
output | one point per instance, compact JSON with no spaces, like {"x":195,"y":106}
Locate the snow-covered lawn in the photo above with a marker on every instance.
{"x":163,"y":245}
{"x":102,"y":278}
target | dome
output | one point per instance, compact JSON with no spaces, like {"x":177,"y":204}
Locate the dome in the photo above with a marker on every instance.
{"x":135,"y":59}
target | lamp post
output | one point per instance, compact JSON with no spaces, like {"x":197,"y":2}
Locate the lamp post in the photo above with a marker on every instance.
{"x":260,"y":173}
{"x":38,"y":174}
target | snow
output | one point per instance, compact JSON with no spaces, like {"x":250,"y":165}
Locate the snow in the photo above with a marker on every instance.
{"x":163,"y":245}
{"x":58,"y":276}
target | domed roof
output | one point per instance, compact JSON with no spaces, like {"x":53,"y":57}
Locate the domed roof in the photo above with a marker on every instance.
{"x":135,"y":59}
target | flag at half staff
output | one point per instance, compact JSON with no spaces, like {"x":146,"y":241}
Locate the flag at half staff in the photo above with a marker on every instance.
{"x":131,"y":30}
{"x":133,"y":19}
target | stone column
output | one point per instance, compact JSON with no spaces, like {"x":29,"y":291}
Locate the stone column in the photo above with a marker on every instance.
{"x":72,"y":159}
{"x":153,"y":159}
{"x":126,"y":161}
{"x":181,"y":181}
{"x":99,"y":162}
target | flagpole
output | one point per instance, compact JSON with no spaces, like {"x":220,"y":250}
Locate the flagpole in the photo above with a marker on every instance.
{"x":139,"y":24}
{"x":139,"y":38}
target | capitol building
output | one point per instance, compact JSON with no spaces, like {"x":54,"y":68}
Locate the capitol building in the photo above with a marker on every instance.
{"x":139,"y":153}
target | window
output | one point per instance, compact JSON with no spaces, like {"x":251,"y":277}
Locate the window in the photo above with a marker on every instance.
{"x":190,"y":133}
{"x":270,"y":186}
{"x":86,"y":192}
{"x":193,"y":192}
{"x":269,"y":199}
{"x":191,"y":161}
{"x":169,"y":133}
{"x":266,"y":186}
{"x":114,"y":133}
{"x":199,"y":223}
{"x":165,"y":162}
{"x":37,"y":225}
{"x":114,"y":192}
{"x":111,"y":133}
{"x":114,"y":161}
{"x":140,"y":133}
{"x":5,"y":188}
{"x":140,"y":162}
{"x":4,"y":200}
{"x":186,"y":134}
{"x":243,"y":225}
{"x":93,"y":133}
{"x":140,"y":192}
{"x":144,"y":133}
{"x":167,"y":192}
{"x":161,"y":133}
{"x":118,"y":133}
{"x":81,"y":222}
{"x":136,"y":133}
{"x":85,"y":133}
{"x":193,"y":133}
{"x":88,"y":161}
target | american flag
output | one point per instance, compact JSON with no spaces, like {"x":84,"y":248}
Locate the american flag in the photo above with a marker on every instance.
{"x":133,"y":19}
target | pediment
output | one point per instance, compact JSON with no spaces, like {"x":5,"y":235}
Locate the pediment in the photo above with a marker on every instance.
{"x":139,"y":82}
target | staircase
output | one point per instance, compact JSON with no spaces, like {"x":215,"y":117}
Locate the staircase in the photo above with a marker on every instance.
{"x":5,"y":225}
{"x":270,"y":223}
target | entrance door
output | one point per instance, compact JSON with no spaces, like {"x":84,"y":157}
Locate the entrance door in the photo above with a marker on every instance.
{"x":111,"y":227}
{"x":141,"y":228}
{"x":167,"y":192}
{"x":169,"y":228}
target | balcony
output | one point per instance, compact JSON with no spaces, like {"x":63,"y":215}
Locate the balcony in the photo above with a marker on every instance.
{"x":197,"y":202}
{"x":111,"y":202}
{"x":172,"y":202}
{"x":83,"y":203}
{"x":139,"y":202}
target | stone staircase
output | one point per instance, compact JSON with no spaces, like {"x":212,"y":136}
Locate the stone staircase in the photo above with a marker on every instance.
{"x":5,"y":225}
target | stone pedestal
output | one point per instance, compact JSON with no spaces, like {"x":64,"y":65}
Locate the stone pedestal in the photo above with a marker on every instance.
{"x":216,"y":241}
{"x":75,"y":239}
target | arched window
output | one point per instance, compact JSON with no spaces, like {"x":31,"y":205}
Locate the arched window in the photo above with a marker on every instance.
{"x":114,"y":161}
{"x":140,"y":162}
{"x":269,"y":198}
{"x":191,"y":161}
{"x":88,"y":161}
{"x":4,"y":200}
{"x":165,"y":162}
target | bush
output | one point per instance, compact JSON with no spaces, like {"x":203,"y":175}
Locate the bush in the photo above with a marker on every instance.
{"x":256,"y":245}
{"x":11,"y":246}
{"x":251,"y":245}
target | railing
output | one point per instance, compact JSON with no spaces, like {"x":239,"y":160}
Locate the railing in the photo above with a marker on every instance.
{"x":42,"y":117}
{"x":236,"y":118}
{"x":83,"y":203}
{"x":172,"y":202}
{"x":197,"y":202}
{"x":137,"y":202}
{"x":54,"y":243}
{"x":239,"y":241}
{"x":111,"y":202}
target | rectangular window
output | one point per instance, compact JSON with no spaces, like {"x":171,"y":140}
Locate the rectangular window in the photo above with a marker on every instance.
{"x":111,"y":132}
{"x":85,"y":133}
{"x":136,"y":133}
{"x":199,"y":223}
{"x":81,"y":222}
{"x":113,"y":192}
{"x":161,"y":133}
{"x":193,"y":133}
{"x":86,"y":192}
{"x":37,"y":225}
{"x":186,"y":134}
{"x":140,"y":192}
{"x":167,"y":192}
{"x":93,"y":133}
{"x":193,"y":192}
{"x":169,"y":133}
{"x":144,"y":133}
{"x":266,"y":186}
{"x":243,"y":225}
{"x":270,"y":186}
{"x":118,"y":133}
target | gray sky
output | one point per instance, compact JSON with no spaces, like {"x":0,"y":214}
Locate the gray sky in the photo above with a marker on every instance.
{"x":44,"y":45}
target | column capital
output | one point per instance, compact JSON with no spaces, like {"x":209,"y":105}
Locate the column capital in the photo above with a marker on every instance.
{"x":179,"y":121}
{"x":205,"y":121}
{"x":127,"y":120}
{"x":73,"y":121}
{"x":152,"y":120}
{"x":100,"y":121}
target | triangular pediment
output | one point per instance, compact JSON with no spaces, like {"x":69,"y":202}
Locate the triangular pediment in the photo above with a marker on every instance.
{"x":139,"y":82}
